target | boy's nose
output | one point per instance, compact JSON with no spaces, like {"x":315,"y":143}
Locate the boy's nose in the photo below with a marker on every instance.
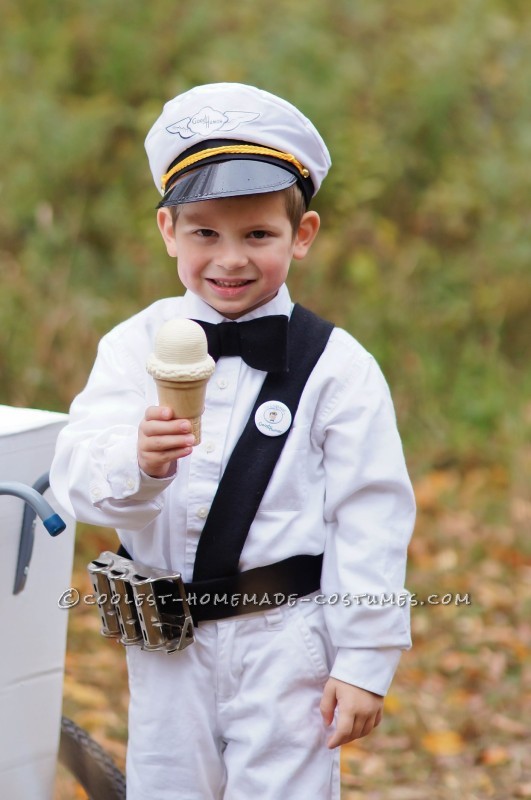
{"x":231,"y":258}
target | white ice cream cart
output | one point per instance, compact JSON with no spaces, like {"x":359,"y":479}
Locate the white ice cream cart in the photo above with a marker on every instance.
{"x":36,"y":570}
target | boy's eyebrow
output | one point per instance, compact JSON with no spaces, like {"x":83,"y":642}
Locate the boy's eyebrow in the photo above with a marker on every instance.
{"x":199,"y":218}
{"x":195,"y":217}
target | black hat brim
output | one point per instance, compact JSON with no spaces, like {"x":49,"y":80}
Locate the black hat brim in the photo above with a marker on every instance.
{"x":227,"y":179}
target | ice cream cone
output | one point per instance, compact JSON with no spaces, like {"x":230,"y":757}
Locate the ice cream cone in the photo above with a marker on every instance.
{"x":186,"y":399}
{"x":181,"y":368}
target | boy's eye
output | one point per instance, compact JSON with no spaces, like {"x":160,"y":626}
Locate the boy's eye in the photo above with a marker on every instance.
{"x":258,"y":234}
{"x":205,"y":232}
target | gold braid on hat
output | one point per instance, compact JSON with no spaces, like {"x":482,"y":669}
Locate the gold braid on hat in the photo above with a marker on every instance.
{"x":245,"y":149}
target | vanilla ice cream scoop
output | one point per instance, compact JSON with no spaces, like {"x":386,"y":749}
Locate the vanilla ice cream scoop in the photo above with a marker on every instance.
{"x":181,"y":352}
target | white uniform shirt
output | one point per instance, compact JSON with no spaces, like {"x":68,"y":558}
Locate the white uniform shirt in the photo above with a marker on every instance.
{"x":340,"y":485}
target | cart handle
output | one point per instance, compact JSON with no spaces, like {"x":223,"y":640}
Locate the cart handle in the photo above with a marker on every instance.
{"x":35,"y":504}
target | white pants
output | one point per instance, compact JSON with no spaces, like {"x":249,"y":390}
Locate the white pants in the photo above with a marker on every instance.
{"x":236,"y":715}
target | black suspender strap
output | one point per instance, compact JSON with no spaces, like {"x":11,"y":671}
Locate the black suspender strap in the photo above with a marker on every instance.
{"x":255,"y":455}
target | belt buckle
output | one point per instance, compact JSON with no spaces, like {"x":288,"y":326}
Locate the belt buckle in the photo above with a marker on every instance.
{"x":132,"y":606}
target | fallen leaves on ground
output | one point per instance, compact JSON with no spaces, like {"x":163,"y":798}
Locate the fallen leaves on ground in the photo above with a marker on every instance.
{"x":457,"y":720}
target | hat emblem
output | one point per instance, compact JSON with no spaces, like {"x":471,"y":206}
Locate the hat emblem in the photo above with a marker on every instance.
{"x":208,"y":121}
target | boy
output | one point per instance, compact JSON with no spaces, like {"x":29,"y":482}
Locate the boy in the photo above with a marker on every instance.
{"x":245,"y":711}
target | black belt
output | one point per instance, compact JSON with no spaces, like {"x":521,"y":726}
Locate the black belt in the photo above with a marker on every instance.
{"x":253,"y":590}
{"x":279,"y":583}
{"x":154,"y":608}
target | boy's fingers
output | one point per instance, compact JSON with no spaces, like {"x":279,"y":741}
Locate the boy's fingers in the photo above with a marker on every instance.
{"x":345,"y":730}
{"x":162,"y":440}
{"x":158,"y":412}
{"x":162,"y":414}
{"x":328,"y":703}
{"x":162,"y":444}
{"x":350,"y":728}
{"x":162,"y":460}
{"x":161,"y":464}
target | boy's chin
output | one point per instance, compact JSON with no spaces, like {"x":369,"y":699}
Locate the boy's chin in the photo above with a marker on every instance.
{"x":235,"y":312}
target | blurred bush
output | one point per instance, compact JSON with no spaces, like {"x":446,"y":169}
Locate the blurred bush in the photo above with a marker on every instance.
{"x":425,"y":247}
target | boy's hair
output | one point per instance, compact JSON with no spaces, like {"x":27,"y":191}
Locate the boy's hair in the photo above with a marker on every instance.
{"x":293,"y":198}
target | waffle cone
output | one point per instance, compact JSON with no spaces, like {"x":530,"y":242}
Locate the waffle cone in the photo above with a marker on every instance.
{"x":186,"y":399}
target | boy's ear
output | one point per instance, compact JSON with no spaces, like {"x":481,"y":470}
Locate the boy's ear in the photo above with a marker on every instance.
{"x":165,"y":223}
{"x":306,"y":233}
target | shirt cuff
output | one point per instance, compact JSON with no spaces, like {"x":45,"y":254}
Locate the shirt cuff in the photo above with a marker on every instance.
{"x":117,"y":475}
{"x":369,"y":669}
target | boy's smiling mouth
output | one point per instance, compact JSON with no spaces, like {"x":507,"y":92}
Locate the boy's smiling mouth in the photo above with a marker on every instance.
{"x":227,"y":284}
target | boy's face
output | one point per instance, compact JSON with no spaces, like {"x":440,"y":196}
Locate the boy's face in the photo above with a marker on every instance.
{"x":235,"y":252}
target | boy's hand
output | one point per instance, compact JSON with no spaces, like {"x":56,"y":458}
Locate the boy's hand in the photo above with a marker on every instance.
{"x":359,"y":711}
{"x":162,"y":440}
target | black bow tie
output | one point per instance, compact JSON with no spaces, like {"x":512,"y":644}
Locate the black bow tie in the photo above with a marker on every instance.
{"x":262,"y":342}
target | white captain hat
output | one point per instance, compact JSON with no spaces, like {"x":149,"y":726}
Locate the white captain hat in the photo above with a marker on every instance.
{"x":229,"y":139}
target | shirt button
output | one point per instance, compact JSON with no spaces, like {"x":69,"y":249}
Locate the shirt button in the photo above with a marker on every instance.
{"x":222,"y":383}
{"x":130,"y":483}
{"x":95,"y":493}
{"x":202,"y":512}
{"x":210,"y":447}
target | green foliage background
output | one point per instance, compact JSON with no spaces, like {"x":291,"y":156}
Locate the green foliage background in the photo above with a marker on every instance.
{"x":425,"y":246}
